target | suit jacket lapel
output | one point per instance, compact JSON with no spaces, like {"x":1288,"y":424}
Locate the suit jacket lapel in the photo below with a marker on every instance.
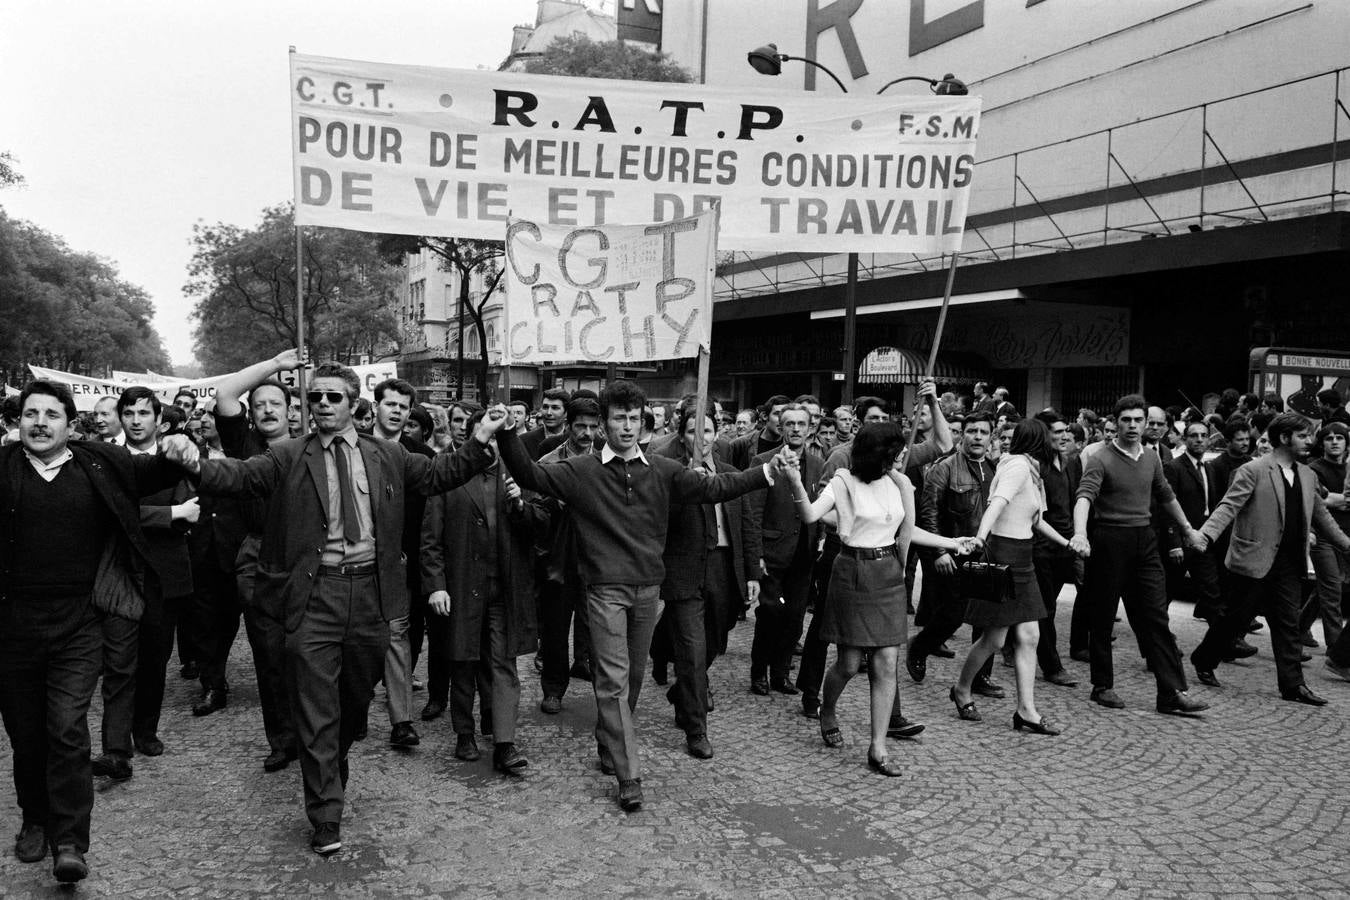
{"x":318,"y":472}
{"x":1278,"y":484}
{"x":375,"y":479}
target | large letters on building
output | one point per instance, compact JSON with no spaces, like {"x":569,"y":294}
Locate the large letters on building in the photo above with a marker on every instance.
{"x":417,"y":150}
{"x":609,"y":293}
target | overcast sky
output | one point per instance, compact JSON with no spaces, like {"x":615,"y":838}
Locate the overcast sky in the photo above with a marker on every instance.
{"x":133,"y":120}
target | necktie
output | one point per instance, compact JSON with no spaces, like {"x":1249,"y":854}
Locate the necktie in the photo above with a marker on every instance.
{"x":351,"y":525}
{"x":1204,"y":482}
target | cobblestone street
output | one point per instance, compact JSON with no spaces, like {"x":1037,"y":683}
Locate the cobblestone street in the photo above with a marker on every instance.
{"x":1251,"y":799}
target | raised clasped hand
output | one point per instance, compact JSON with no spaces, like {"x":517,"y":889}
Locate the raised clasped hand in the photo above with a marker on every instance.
{"x":178,"y":448}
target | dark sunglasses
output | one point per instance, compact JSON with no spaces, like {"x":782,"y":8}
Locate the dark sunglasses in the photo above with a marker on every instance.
{"x":333,"y":397}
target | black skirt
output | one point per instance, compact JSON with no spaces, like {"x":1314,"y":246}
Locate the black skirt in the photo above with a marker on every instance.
{"x":1026,"y":604}
{"x":865,"y":605}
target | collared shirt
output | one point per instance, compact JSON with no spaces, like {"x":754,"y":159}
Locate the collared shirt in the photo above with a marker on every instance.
{"x":1138,"y":450}
{"x":336,"y":550}
{"x":152,"y":450}
{"x":48,"y":471}
{"x":1199,"y":464}
{"x":607,"y":454}
{"x":1288,"y":473}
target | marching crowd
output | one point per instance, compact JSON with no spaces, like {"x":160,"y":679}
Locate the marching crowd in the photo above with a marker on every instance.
{"x":603,"y":534}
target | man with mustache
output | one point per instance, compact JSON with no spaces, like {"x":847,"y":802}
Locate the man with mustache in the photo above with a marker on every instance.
{"x":71,"y":556}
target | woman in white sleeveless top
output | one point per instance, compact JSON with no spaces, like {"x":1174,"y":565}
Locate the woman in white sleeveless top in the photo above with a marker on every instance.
{"x":872,"y":503}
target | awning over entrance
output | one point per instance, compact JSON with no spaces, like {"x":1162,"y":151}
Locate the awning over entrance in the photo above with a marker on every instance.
{"x":893,"y":365}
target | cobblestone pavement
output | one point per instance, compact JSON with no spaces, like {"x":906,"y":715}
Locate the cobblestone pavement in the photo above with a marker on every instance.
{"x":1251,"y":799}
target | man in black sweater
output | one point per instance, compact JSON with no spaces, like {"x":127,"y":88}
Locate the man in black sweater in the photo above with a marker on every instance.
{"x":619,"y":500}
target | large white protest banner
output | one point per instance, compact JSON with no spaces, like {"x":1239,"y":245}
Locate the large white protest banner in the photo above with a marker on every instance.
{"x":611,"y":293}
{"x":420,"y":150}
{"x":88,"y":391}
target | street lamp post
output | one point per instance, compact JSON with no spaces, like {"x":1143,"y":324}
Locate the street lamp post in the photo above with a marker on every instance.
{"x":766,"y":60}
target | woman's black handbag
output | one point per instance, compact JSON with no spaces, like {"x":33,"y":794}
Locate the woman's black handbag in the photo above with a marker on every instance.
{"x":987,"y":581}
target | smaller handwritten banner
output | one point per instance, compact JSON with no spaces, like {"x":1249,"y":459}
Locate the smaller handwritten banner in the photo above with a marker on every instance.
{"x":609,"y":293}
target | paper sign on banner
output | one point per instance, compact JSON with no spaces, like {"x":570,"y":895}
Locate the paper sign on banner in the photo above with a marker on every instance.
{"x":609,"y":293}
{"x":427,"y":151}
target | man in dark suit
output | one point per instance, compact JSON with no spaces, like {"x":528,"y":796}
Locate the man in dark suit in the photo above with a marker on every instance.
{"x":553,"y":422}
{"x":711,"y":551}
{"x":788,"y":551}
{"x":71,"y":549}
{"x":332,"y":551}
{"x":477,"y":555}
{"x":763,"y":439}
{"x":1272,"y":504}
{"x":1198,"y":492}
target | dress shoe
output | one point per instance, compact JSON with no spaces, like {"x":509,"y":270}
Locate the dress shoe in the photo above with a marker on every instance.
{"x":1253,"y":627}
{"x":699,"y":746}
{"x":1041,"y":727}
{"x":797,"y":650}
{"x":433,"y":710}
{"x":69,"y":865}
{"x":986,"y":688}
{"x":1062,"y":678}
{"x":811,"y":706}
{"x":783,"y":686}
{"x":1239,"y":649}
{"x":327,"y":838}
{"x":709,"y":704}
{"x":606,"y":759}
{"x":630,"y":794}
{"x":212,"y":700}
{"x":419,"y":685}
{"x":278,"y":760}
{"x":1108,"y":698}
{"x":965,"y":711}
{"x":1341,"y":672}
{"x":759,"y":686}
{"x":404,"y":735}
{"x":190,"y":671}
{"x":901,"y":727}
{"x":148,"y":746}
{"x":112,"y":765}
{"x":508,"y":760}
{"x":1305,"y":656}
{"x":466,"y":748}
{"x":1081,"y":656}
{"x":30,"y":844}
{"x":1207,"y":677}
{"x":582,"y":671}
{"x":883,"y":766}
{"x":551,"y":705}
{"x":1308,"y":640}
{"x":538,"y":663}
{"x":944,"y":652}
{"x":1304,"y":694}
{"x":916,"y":664}
{"x":1181,"y":704}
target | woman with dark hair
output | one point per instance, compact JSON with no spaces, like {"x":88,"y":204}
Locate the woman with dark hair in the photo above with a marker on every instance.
{"x":1016,"y":501}
{"x":872,"y":504}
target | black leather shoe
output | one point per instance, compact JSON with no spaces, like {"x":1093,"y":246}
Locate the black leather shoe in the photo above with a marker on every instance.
{"x":30,"y":844}
{"x":1239,"y":649}
{"x":944,"y":652}
{"x":1062,"y":678}
{"x":1304,"y":694}
{"x":404,"y":735}
{"x":148,"y":746}
{"x":1108,"y":698}
{"x":1041,"y":727}
{"x":986,"y":688}
{"x":903,"y":728}
{"x":630,"y":795}
{"x":466,"y":748}
{"x":551,"y":705}
{"x":1254,"y":626}
{"x":783,"y":686}
{"x":433,"y":710}
{"x":1181,"y":704}
{"x":883,"y":766}
{"x":112,"y":765}
{"x":327,"y":838}
{"x":1207,"y":677}
{"x":212,"y":700}
{"x":69,"y":865}
{"x":278,"y":760}
{"x":508,"y":760}
{"x":916,"y":664}
{"x":1335,"y":671}
{"x":759,"y":686}
{"x":811,"y":706}
{"x":699,"y":746}
{"x":709,"y":705}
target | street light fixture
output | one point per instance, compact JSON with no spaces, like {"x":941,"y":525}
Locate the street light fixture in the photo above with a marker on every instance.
{"x":766,"y":60}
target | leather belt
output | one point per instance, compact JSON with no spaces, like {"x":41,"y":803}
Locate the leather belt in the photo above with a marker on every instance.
{"x":868,"y":552}
{"x":348,"y":570}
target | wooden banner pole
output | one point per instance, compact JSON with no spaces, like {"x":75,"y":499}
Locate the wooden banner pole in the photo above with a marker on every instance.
{"x":933,"y":351}
{"x":300,"y":325}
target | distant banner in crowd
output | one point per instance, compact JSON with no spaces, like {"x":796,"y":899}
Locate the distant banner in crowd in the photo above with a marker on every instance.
{"x":420,"y":150}
{"x":609,"y":293}
{"x":88,"y":391}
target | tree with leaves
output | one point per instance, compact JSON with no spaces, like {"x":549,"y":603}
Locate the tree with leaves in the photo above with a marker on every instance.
{"x":578,"y":55}
{"x":67,"y":310}
{"x":9,"y":174}
{"x":243,"y":280}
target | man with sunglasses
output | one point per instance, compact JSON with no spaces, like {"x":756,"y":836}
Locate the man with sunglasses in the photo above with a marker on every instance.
{"x":331,"y":560}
